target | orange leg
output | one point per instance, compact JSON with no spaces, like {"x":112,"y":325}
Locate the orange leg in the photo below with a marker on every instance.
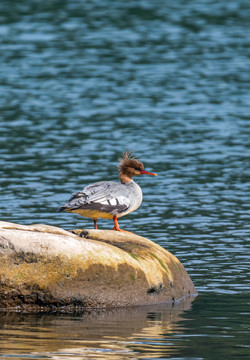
{"x":117,"y":227}
{"x":95,"y":223}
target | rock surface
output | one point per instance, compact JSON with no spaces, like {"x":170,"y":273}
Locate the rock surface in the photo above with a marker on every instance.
{"x":45,"y":268}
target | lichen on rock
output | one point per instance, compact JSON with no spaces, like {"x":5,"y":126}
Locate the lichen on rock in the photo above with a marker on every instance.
{"x":45,"y":268}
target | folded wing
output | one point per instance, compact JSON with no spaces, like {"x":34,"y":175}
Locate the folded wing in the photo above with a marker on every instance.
{"x":103,"y":196}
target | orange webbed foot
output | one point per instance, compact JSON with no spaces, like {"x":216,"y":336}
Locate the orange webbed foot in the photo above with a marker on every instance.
{"x":114,"y":228}
{"x":117,"y":227}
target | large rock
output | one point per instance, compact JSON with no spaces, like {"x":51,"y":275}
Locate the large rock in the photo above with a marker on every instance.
{"x":45,"y":268}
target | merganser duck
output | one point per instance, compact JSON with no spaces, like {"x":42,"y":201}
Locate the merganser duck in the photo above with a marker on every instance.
{"x":110,"y":199}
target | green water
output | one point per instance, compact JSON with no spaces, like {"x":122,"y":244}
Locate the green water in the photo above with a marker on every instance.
{"x":82,"y":81}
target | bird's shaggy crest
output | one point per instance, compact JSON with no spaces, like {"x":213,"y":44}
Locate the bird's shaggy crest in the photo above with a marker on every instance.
{"x":128,"y":161}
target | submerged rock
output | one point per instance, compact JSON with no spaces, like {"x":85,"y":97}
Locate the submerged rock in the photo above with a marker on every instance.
{"x":45,"y":268}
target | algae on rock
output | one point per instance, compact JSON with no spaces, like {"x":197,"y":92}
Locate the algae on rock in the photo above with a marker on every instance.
{"x":45,"y":268}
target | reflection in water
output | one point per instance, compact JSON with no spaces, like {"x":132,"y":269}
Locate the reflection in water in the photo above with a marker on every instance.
{"x":213,"y":327}
{"x":106,"y":334}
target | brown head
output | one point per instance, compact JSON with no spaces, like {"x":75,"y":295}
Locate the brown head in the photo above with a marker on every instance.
{"x":129,"y":167}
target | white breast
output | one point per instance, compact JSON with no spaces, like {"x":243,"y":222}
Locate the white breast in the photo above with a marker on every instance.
{"x":133,"y":194}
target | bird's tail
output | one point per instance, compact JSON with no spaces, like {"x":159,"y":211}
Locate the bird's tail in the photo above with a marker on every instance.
{"x":62,"y":208}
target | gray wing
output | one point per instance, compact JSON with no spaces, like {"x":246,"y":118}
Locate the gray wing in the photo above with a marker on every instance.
{"x":104,"y":196}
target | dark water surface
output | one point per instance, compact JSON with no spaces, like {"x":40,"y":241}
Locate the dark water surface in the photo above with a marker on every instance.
{"x":82,"y":81}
